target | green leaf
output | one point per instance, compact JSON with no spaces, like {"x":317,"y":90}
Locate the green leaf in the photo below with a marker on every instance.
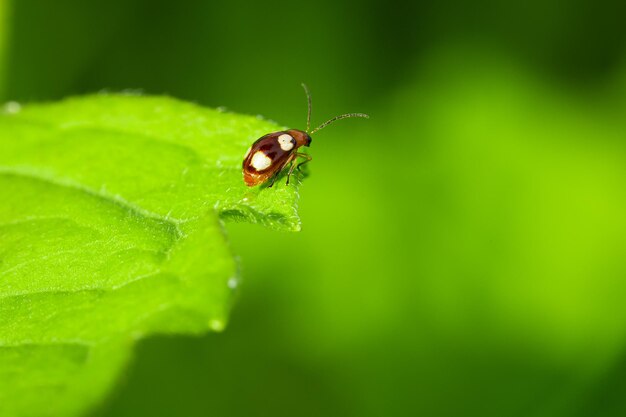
{"x":110,"y":230}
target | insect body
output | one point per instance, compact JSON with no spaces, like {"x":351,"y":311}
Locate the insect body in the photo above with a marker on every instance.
{"x":271,"y":153}
{"x":267,"y":157}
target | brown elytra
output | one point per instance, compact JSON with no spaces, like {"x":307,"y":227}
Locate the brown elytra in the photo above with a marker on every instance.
{"x":278,"y":155}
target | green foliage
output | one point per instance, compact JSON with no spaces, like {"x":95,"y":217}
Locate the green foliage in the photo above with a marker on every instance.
{"x":110,"y":230}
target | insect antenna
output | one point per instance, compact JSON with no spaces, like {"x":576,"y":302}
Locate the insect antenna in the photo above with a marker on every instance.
{"x":334,"y":119}
{"x":308,"y":114}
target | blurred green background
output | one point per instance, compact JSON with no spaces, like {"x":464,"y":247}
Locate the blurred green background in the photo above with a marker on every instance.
{"x":463,"y":252}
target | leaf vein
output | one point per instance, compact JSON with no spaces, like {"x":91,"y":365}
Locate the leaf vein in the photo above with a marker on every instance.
{"x":102,"y":289}
{"x":117,"y":200}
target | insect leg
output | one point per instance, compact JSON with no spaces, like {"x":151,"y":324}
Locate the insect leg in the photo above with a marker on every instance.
{"x":303,"y":155}
{"x":273,"y":180}
{"x":294,"y":165}
{"x":292,"y":159}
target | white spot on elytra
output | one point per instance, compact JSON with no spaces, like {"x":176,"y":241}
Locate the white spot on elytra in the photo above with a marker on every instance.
{"x":286,"y":142}
{"x":260,"y":161}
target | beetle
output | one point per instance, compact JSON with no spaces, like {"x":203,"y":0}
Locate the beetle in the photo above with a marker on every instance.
{"x":268,"y":155}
